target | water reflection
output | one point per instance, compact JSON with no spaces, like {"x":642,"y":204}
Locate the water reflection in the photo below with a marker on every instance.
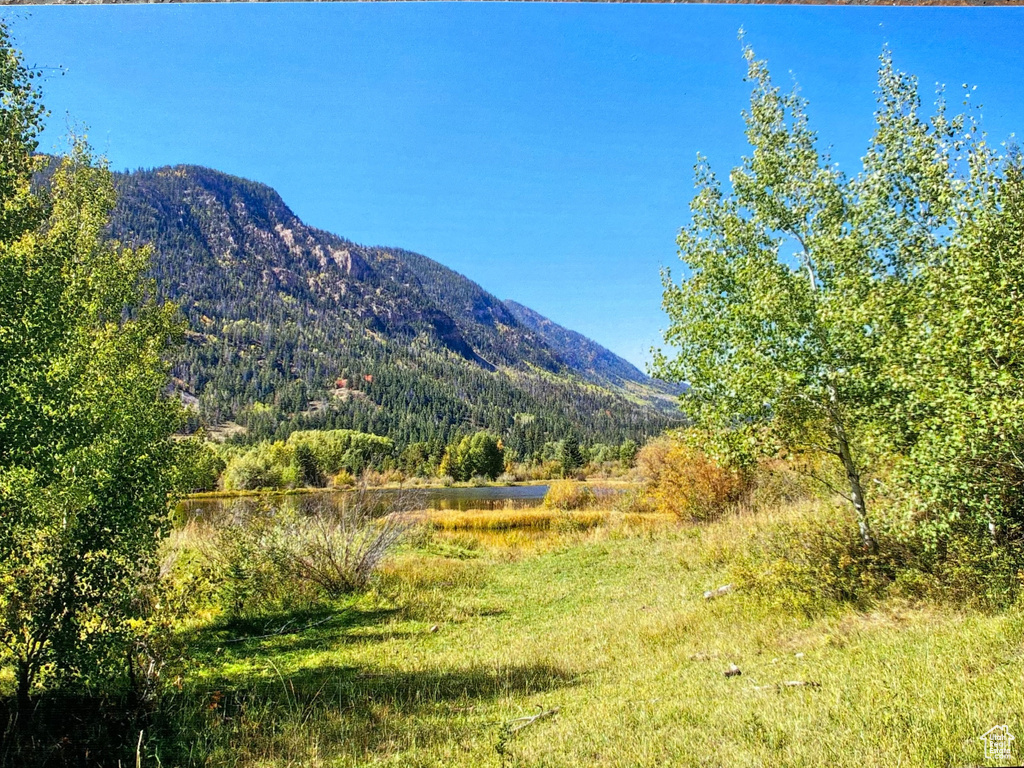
{"x":239,"y":509}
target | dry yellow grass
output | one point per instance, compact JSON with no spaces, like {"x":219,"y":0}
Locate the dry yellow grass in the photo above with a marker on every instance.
{"x":506,"y":519}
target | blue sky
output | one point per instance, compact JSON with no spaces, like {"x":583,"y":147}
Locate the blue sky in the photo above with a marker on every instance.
{"x":544,"y":150}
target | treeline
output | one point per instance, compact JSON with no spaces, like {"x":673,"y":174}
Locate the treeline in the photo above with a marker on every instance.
{"x":342,"y":457}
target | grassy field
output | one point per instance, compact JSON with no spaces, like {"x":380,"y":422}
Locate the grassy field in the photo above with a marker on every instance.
{"x":600,"y":629}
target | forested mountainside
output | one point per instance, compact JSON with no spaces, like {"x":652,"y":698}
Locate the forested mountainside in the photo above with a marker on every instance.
{"x":296,"y":328}
{"x":588,"y":358}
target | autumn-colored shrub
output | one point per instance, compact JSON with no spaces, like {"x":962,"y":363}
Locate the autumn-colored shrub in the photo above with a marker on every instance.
{"x":567,"y":494}
{"x":682,"y":479}
{"x":344,"y":479}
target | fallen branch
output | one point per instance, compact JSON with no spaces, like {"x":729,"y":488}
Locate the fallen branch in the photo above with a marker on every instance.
{"x":529,"y":720}
{"x":512,"y":727}
{"x":725,"y":589}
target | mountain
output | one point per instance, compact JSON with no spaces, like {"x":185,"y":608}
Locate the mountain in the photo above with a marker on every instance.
{"x":590,"y":360}
{"x":293,"y":327}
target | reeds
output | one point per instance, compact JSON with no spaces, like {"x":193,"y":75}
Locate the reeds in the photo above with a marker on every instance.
{"x":508,"y":519}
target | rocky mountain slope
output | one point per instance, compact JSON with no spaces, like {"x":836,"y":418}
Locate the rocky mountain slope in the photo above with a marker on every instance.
{"x":295,"y":327}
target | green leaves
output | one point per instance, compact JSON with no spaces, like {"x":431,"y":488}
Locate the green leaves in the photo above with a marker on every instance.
{"x":857,"y":317}
{"x":481,"y":454}
{"x":85,"y":452}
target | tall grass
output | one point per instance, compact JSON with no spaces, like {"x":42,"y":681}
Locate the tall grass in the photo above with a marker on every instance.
{"x":536,"y":518}
{"x":610,"y":628}
{"x":477,"y":619}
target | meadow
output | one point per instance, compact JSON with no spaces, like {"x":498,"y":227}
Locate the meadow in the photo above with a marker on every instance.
{"x":547,"y":638}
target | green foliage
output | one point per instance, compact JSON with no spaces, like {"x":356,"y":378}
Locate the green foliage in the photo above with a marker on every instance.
{"x":569,"y":454}
{"x":627,"y":453}
{"x":598,"y":453}
{"x":249,"y":570}
{"x":307,"y":457}
{"x":479,"y":455}
{"x":418,"y":459}
{"x":198,"y":466}
{"x":871,"y":319}
{"x":342,"y":449}
{"x":265,"y":465}
{"x":962,"y":366}
{"x":85,"y":456}
{"x":766,"y":339}
{"x":306,"y":465}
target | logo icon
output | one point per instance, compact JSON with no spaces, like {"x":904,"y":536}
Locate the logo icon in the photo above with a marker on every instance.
{"x":998,"y":741}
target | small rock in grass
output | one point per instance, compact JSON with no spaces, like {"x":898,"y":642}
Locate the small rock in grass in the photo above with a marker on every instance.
{"x":733,"y":671}
{"x":725,"y":589}
{"x":435,"y":628}
{"x":800,"y":655}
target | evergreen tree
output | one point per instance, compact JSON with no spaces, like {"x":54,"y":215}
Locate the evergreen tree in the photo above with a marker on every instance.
{"x":569,"y":454}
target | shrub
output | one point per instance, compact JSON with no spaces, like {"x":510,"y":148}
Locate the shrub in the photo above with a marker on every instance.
{"x":306,"y":468}
{"x":263,"y":466}
{"x":343,"y":479}
{"x":814,"y":558}
{"x":776,"y":484}
{"x":198,"y":467}
{"x":338,"y":550}
{"x":249,"y":572}
{"x":811,"y":559}
{"x":337,"y":449}
{"x":481,"y":454}
{"x":307,"y":458}
{"x":266,"y":560}
{"x":680,"y":478}
{"x":567,"y":494}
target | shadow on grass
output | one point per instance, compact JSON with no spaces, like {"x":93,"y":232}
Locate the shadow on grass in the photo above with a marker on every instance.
{"x":67,"y":730}
{"x":345,"y":710}
{"x":248,"y":630}
{"x":352,"y":688}
{"x":276,"y":715}
{"x":290,"y":632}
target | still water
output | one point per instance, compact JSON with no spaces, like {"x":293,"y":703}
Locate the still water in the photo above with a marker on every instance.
{"x":490,"y":497}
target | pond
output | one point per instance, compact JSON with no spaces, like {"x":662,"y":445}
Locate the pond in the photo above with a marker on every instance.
{"x":488,"y":497}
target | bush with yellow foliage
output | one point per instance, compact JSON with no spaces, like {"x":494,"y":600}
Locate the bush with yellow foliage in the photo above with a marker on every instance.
{"x":682,"y":479}
{"x":567,"y":494}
